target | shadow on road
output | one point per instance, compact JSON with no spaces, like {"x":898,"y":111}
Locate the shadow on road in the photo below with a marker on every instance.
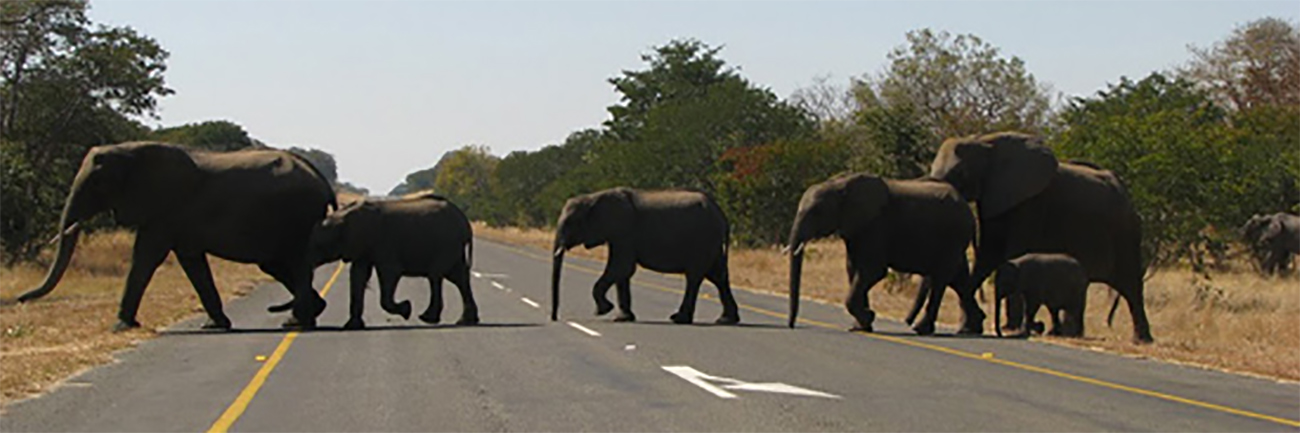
{"x":709,"y":324}
{"x":279,"y":330}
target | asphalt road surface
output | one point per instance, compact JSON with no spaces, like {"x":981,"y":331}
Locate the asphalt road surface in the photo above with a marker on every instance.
{"x":520,"y":372}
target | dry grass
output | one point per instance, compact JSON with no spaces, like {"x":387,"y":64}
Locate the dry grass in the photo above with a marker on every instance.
{"x":1237,"y":321}
{"x":69,"y":330}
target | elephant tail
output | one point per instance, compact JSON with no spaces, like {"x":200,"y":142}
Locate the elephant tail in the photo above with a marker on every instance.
{"x":469,"y":253}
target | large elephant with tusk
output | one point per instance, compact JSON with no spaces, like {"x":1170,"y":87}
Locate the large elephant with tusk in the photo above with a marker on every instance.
{"x":252,"y":206}
{"x":681,"y":232}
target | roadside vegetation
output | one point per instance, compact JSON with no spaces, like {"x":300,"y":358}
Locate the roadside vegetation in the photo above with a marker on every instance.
{"x":71,"y":329}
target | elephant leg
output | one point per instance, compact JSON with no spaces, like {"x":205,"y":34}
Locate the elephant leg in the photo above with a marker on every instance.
{"x":720,"y":278}
{"x":469,"y":309}
{"x":1133,"y":297}
{"x":278,"y":274}
{"x":857,"y":303}
{"x":358,"y":278}
{"x":686,"y":312}
{"x":196,"y":268}
{"x":147,"y":254}
{"x":433,"y":313}
{"x":620,"y":266}
{"x":922,"y":293}
{"x":389,"y":276}
{"x":927,"y":324}
{"x":625,"y":301}
{"x":1055,"y":315}
{"x":972,"y":315}
{"x":307,"y":303}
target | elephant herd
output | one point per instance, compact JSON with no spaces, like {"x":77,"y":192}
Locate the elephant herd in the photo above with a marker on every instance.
{"x":1047,"y":227}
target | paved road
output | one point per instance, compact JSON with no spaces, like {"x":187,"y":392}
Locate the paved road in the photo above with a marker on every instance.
{"x":521,"y":372}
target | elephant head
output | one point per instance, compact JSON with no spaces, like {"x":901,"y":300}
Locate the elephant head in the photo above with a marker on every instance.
{"x":590,"y":220}
{"x":138,"y":182}
{"x":843,"y":206}
{"x":349,"y":234}
{"x":997,"y":171}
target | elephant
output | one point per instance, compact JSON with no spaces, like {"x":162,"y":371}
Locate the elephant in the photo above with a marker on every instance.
{"x":252,"y":206}
{"x":1028,"y":202}
{"x":1274,"y":239}
{"x":669,"y":231}
{"x":415,"y":236}
{"x":1055,"y":280}
{"x":914,"y":226}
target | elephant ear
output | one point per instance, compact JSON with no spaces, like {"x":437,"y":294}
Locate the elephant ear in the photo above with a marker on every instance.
{"x":612,"y":215}
{"x":1021,"y":167}
{"x":865,"y":198}
{"x":152,"y":179}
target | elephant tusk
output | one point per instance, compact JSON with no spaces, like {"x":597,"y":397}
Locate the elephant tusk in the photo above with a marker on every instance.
{"x":67,"y":232}
{"x":785,"y":251}
{"x":558,"y":251}
{"x":798,"y":249}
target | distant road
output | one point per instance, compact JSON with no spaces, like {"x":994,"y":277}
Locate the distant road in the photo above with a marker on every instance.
{"x":521,"y":372}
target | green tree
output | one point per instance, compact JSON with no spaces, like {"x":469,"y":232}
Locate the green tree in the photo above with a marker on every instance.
{"x":464,"y":176}
{"x":68,"y":85}
{"x":521,"y":177}
{"x":214,"y":135}
{"x":679,"y":115}
{"x":1186,"y":168}
{"x":759,"y":186}
{"x":939,"y":86}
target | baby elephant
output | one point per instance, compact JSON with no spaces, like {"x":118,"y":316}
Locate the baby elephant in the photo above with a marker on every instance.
{"x":1056,"y":280}
{"x":414,"y":236}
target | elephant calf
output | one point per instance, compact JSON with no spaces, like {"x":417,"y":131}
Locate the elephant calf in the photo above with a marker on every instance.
{"x":1274,"y":240}
{"x":681,"y":232}
{"x":415,"y":236}
{"x":914,"y":226}
{"x":1055,"y":280}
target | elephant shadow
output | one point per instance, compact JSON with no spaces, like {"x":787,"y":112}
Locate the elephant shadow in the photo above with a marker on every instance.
{"x":705,"y":324}
{"x":326,"y":329}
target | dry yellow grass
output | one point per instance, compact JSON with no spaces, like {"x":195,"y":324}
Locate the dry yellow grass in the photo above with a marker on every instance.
{"x":68,"y":330}
{"x":1237,"y":321}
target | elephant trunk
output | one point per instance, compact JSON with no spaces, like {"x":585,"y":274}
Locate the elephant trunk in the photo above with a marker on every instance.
{"x":556,"y":264}
{"x":795,"y":247}
{"x":69,"y":230}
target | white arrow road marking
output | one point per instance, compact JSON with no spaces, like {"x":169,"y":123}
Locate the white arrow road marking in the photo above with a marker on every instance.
{"x":698,"y":378}
{"x":584,"y":329}
{"x":530,"y":302}
{"x":499,"y":286}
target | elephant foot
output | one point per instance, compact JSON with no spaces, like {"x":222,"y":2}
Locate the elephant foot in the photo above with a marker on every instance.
{"x":625,"y":316}
{"x":467,"y":320}
{"x":862,"y":328}
{"x":1143,"y":339}
{"x":681,"y":318}
{"x":294,"y":323}
{"x":222,"y":323}
{"x":125,"y":325}
{"x":401,"y":308}
{"x":728,"y":319}
{"x":603,"y":306}
{"x":431,"y":318}
{"x":278,"y":308}
{"x":924,"y":328}
{"x":354,"y":323}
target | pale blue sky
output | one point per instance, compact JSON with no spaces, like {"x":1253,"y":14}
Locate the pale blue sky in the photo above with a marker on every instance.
{"x":388,"y":86}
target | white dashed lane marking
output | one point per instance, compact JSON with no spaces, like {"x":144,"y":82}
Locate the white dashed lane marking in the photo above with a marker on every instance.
{"x":530,"y":302}
{"x":584,"y":329}
{"x":499,"y":286}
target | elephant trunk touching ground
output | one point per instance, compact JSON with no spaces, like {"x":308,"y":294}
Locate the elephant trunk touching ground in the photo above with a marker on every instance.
{"x":75,"y":210}
{"x":798,"y":238}
{"x":556,"y":265}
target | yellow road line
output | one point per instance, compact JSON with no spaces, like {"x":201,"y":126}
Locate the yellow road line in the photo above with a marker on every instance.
{"x":240,"y":404}
{"x":964,"y":354}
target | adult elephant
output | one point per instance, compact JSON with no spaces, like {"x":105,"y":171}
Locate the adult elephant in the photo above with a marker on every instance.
{"x":681,"y":232}
{"x":1028,"y":202}
{"x":915,"y":226}
{"x":253,"y":206}
{"x":1274,"y":239}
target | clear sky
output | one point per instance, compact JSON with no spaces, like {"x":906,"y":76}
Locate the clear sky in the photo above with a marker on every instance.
{"x":388,"y":86}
